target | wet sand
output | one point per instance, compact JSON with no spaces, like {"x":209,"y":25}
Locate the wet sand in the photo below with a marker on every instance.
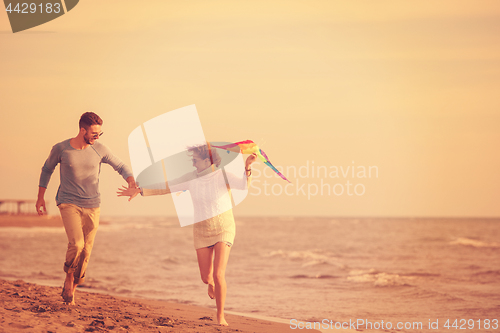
{"x":27,"y":307}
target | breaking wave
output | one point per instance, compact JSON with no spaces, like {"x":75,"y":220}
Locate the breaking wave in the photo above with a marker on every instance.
{"x":474,"y":243}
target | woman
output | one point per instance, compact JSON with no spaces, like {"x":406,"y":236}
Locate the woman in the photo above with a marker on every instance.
{"x":214,"y":235}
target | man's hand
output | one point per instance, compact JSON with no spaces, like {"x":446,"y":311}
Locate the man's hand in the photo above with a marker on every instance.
{"x":131,"y":182}
{"x":128,"y":192}
{"x":40,"y":203}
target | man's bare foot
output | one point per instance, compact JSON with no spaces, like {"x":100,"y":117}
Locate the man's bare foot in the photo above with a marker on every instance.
{"x":68,"y":297}
{"x":211,"y":291}
{"x":222,"y":321}
{"x":68,"y":293}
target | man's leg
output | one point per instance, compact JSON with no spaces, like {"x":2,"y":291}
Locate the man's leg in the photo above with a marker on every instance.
{"x":90,"y":223}
{"x":72,"y":220}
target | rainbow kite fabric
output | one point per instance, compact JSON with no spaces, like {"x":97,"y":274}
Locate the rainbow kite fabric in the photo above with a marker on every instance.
{"x":250,"y":147}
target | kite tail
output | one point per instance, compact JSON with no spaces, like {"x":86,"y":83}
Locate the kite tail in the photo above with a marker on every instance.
{"x":250,"y":147}
{"x":276,"y":170}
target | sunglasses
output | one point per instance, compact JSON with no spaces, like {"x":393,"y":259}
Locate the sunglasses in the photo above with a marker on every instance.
{"x":97,"y":136}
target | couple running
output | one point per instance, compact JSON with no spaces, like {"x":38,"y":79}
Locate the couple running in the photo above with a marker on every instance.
{"x":78,"y":200}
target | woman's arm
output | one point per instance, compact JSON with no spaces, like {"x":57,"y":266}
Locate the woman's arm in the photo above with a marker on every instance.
{"x":251,"y":159}
{"x":239,"y":182}
{"x":157,"y":189}
{"x":133,"y":192}
{"x":248,"y":168}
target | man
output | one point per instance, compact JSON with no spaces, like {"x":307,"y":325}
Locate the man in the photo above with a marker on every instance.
{"x":78,"y":196}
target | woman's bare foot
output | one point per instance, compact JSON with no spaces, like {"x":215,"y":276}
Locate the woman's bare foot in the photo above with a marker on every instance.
{"x":71,"y":301}
{"x":222,"y":321}
{"x":211,"y":291}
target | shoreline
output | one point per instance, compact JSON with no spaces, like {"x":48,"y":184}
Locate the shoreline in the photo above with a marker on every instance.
{"x":31,"y":307}
{"x":30,"y":221}
{"x":34,"y":221}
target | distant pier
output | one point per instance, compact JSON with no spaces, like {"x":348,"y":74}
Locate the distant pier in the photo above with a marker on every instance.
{"x":17,"y":207}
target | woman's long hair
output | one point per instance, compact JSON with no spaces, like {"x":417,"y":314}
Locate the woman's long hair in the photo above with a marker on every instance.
{"x":204,"y":152}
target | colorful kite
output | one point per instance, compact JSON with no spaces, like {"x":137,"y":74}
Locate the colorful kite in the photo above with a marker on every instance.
{"x":250,"y":147}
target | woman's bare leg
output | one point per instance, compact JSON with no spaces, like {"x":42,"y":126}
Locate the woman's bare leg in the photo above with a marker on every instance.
{"x":219,"y":275}
{"x":205,"y":262}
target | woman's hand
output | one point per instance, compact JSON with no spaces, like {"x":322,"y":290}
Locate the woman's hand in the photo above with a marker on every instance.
{"x":250,"y":159}
{"x":128,"y":192}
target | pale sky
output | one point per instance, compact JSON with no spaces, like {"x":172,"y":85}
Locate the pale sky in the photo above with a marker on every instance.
{"x":408,"y":88}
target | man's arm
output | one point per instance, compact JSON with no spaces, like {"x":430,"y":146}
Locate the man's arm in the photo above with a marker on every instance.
{"x":47,"y":170}
{"x":40,"y":202}
{"x":131,"y":182}
{"x":119,"y":166}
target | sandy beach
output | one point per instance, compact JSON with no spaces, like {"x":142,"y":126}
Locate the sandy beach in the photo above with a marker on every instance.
{"x":27,"y":307}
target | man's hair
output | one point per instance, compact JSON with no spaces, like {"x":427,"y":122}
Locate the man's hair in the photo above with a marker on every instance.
{"x":88,"y":119}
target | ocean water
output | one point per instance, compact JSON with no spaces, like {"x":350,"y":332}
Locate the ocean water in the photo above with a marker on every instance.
{"x":397,"y":270}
